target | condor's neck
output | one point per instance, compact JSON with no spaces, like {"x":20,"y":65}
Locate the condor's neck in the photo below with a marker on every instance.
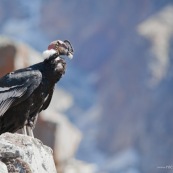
{"x":50,"y":72}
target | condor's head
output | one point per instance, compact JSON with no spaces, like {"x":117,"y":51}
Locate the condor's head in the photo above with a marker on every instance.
{"x":54,"y":55}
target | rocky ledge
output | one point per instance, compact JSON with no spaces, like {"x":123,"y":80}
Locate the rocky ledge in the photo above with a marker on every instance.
{"x":24,"y":154}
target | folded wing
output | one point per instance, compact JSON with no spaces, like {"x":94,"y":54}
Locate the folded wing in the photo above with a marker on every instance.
{"x":16,"y":87}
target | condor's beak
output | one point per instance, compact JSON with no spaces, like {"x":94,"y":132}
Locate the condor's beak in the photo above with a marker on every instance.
{"x":70,"y":49}
{"x":70,"y":55}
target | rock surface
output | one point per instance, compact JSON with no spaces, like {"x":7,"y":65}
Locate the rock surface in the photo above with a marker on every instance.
{"x":3,"y":167}
{"x":25,"y":155}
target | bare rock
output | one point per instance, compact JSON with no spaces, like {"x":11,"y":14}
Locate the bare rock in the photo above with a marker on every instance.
{"x":3,"y":167}
{"x":25,"y":154}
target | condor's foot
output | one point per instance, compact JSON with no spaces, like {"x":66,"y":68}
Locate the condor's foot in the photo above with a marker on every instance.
{"x":29,"y":126}
{"x":24,"y":130}
{"x":27,"y":130}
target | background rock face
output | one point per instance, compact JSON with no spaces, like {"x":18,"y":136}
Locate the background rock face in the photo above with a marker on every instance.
{"x":120,"y":80}
{"x":8,"y":53}
{"x":25,"y":155}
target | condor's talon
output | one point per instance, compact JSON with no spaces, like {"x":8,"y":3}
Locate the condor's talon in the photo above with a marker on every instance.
{"x":29,"y":131}
{"x":24,"y":131}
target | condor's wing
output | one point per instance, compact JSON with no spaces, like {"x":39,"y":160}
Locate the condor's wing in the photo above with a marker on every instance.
{"x":16,"y":87}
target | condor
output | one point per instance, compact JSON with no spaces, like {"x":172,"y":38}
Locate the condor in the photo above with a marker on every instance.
{"x":26,"y":92}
